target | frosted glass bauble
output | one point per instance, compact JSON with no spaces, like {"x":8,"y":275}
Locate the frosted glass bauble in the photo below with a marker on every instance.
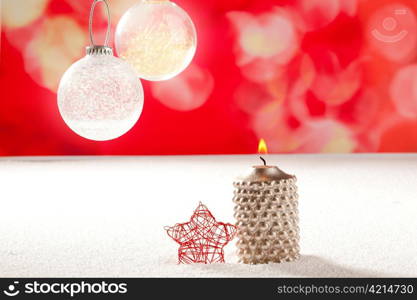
{"x":157,"y":38}
{"x":100,"y":97}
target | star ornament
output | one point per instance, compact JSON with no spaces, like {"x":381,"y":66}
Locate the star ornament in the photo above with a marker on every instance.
{"x":202,"y":238}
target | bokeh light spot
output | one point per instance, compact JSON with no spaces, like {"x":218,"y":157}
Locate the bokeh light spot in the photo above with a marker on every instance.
{"x":58,"y":43}
{"x":19,"y":13}
{"x":185,"y":92}
{"x":403,"y":91}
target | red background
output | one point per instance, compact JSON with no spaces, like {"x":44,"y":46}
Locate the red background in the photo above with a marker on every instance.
{"x":337,"y":90}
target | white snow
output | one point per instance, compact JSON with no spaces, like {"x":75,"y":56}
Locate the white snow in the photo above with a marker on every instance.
{"x":101,"y":216}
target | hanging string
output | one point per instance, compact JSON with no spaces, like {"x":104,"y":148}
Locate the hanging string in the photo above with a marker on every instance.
{"x":90,"y":23}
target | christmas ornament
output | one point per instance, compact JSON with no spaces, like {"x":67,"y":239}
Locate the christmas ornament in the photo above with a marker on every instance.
{"x":100,"y":97}
{"x":202,"y":238}
{"x":157,"y":37}
{"x":267,"y":215}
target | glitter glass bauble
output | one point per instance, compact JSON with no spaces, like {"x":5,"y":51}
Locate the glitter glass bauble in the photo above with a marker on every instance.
{"x":100,"y":97}
{"x":158,"y":38}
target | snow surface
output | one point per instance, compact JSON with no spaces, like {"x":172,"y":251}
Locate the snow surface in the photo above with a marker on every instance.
{"x":104,"y":216}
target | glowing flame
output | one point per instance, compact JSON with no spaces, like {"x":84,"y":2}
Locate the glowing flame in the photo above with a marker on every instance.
{"x":262,"y":148}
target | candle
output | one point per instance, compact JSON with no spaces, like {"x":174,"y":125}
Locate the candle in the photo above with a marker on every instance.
{"x":266,"y":213}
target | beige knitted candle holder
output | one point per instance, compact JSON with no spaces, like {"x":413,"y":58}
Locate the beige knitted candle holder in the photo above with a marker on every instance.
{"x":266,"y":213}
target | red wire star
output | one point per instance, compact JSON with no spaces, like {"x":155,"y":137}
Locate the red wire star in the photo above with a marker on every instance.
{"x":202,"y":238}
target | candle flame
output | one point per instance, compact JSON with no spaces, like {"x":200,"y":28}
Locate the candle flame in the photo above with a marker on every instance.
{"x":262,"y":148}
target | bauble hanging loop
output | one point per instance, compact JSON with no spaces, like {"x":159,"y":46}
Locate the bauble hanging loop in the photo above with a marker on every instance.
{"x":90,"y":22}
{"x":93,"y":48}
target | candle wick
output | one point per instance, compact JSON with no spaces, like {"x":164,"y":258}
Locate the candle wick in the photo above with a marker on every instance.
{"x":263,"y":160}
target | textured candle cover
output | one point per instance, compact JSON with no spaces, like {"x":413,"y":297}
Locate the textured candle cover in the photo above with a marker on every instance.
{"x":100,"y":97}
{"x":158,"y":38}
{"x":266,"y":212}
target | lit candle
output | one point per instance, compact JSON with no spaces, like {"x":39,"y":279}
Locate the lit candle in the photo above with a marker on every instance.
{"x":266,"y":214}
